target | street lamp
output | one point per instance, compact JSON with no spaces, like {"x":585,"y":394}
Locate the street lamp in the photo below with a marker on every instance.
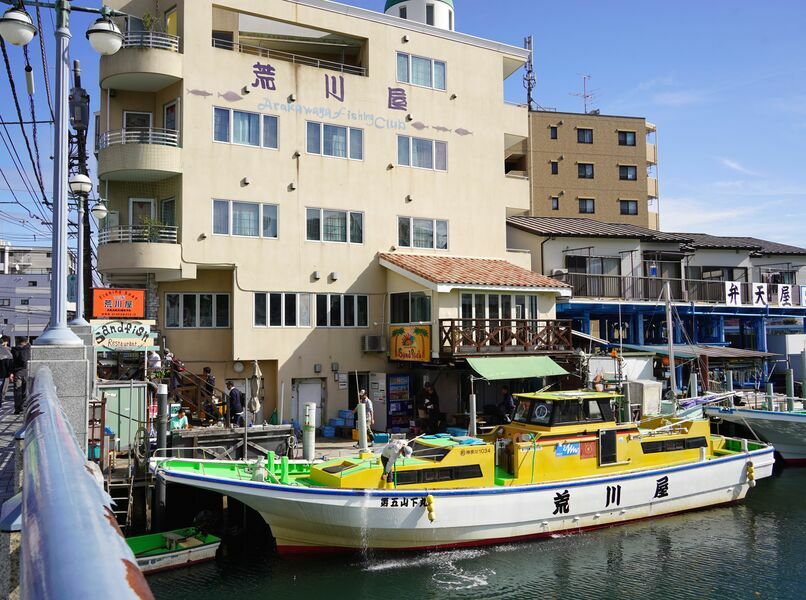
{"x":17,"y":28}
{"x":80,"y":186}
{"x":99,"y":210}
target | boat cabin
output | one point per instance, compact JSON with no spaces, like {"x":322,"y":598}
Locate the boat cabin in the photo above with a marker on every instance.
{"x":554,"y":409}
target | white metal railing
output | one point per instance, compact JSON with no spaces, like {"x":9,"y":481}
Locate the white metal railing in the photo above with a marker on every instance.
{"x":151,"y":39}
{"x":139,"y":135}
{"x":154,"y":234}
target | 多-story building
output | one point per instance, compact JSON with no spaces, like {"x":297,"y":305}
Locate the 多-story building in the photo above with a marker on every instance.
{"x":268,"y":165}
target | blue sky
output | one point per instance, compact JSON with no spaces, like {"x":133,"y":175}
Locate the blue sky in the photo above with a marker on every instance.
{"x":724,"y":81}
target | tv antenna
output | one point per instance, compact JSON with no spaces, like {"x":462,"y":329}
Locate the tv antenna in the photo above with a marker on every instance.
{"x":587,"y":96}
{"x":529,"y":79}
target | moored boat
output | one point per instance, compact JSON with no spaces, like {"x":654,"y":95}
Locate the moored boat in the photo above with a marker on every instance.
{"x":563,"y":465}
{"x":173,"y":549}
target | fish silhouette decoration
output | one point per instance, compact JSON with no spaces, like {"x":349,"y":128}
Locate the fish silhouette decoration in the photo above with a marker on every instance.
{"x":419,"y":126}
{"x":441,"y":128}
{"x":202,"y":93}
{"x":230,"y":96}
{"x":462,"y":131}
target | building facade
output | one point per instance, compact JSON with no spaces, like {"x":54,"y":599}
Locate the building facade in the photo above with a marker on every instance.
{"x":284,"y":177}
{"x":594,"y":166}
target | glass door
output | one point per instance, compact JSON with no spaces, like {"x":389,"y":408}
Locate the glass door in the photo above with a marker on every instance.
{"x":141,"y":211}
{"x":136,"y":126}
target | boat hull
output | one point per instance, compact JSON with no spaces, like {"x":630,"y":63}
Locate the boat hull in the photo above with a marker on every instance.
{"x":311,"y":519}
{"x":177,"y":559}
{"x":784,"y":430}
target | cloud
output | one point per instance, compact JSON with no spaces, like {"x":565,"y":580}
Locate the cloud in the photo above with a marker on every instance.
{"x":735,"y":166}
{"x":657,"y":82}
{"x":679,"y":98}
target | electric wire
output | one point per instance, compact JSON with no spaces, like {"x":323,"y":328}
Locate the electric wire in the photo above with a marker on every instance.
{"x":45,"y":75}
{"x":32,"y":108}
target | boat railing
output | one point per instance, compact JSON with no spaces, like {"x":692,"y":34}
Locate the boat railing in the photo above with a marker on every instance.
{"x":169,"y":453}
{"x":71,"y":546}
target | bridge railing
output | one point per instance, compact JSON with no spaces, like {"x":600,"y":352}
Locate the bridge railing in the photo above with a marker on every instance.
{"x":71,"y":544}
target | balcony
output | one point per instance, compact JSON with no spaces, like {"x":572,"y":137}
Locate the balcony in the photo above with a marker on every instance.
{"x":652,"y":187}
{"x":296,"y":59}
{"x":139,"y":248}
{"x":149,"y":61}
{"x":485,"y":337}
{"x":149,"y":154}
{"x":651,"y":154}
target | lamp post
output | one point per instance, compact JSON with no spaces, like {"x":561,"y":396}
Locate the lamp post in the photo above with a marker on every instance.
{"x":80,"y":186}
{"x":16,"y":28}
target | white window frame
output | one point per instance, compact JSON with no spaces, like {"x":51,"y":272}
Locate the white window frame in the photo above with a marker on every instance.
{"x":166,"y":106}
{"x":198,"y":309}
{"x":151,"y":201}
{"x":229,"y":219}
{"x":231,"y":126}
{"x":409,"y":56}
{"x":530,"y":301}
{"x":434,"y":143}
{"x":321,"y":125}
{"x":315,"y":312}
{"x":138,"y":112}
{"x":408,"y":294}
{"x":411,"y":233}
{"x":322,"y":225}
{"x":297,"y":295}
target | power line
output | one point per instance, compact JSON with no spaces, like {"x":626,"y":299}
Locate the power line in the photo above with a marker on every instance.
{"x":45,"y":75}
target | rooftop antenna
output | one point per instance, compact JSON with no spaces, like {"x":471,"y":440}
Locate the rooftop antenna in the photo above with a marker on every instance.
{"x":529,"y":79}
{"x":587,"y":96}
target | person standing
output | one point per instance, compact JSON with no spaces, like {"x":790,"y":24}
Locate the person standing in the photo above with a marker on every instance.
{"x":235,"y":405}
{"x":21,"y":354}
{"x":154,"y":362}
{"x":507,"y":404}
{"x":370,"y":413}
{"x":6,"y":362}
{"x":428,"y":400}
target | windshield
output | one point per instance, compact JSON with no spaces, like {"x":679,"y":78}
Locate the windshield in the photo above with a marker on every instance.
{"x":541,"y":412}
{"x":522,"y":412}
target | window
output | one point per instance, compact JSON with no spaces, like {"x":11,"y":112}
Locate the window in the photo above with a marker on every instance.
{"x":422,"y":153}
{"x":585,"y":136}
{"x":275,"y":309}
{"x":246,"y":219}
{"x":245,"y":128}
{"x":197,"y":310}
{"x":25,"y":301}
{"x":628,"y":207}
{"x":555,"y":203}
{"x":413,"y":307}
{"x":334,"y":140}
{"x":342,"y":310}
{"x":325,"y":225}
{"x":553,"y":132}
{"x":586,"y":206}
{"x":404,"y":12}
{"x":32,"y":284}
{"x":495,"y":306}
{"x":429,"y":14}
{"x":626,"y":138}
{"x":585,"y":170}
{"x":422,"y":233}
{"x":421,"y":71}
{"x":5,"y":301}
{"x":627,"y":173}
{"x":223,"y":40}
{"x":555,"y":167}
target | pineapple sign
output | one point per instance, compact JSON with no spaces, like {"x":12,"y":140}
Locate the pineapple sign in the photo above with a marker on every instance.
{"x":410,"y":342}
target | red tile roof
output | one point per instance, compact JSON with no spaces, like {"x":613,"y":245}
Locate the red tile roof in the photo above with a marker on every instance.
{"x":470,"y":271}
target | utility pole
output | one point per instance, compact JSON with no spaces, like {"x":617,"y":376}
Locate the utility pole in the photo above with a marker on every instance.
{"x":529,"y":79}
{"x":670,"y":339}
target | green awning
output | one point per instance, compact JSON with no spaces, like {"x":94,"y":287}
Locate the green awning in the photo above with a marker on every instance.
{"x":515,"y":367}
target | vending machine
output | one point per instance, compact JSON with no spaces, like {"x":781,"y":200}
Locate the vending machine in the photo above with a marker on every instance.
{"x":400,"y":402}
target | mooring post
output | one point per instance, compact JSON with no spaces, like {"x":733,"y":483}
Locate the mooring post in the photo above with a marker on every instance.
{"x":361,"y":425}
{"x":309,"y":432}
{"x":729,"y":380}
{"x":162,"y":442}
{"x":790,"y":390}
{"x":770,"y":405}
{"x":803,"y":377}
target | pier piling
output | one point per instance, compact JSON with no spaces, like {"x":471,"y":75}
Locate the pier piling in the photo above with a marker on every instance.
{"x":790,"y":390}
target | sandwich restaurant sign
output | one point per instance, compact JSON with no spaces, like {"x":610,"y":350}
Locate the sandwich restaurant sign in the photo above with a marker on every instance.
{"x":122,"y":336}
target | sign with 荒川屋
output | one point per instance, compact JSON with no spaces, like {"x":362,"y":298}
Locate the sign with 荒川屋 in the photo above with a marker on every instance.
{"x":122,"y":336}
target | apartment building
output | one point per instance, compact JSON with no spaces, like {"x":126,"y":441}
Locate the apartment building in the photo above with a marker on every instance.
{"x":594,"y":166}
{"x":322,"y":189}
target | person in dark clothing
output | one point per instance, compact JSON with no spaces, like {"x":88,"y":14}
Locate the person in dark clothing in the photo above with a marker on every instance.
{"x":6,"y":363}
{"x":428,"y":400}
{"x":235,"y":405}
{"x":507,"y":404}
{"x":19,"y":373}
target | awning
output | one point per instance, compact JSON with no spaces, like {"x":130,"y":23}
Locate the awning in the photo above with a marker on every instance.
{"x":590,"y":338}
{"x":697,"y":351}
{"x":515,"y":367}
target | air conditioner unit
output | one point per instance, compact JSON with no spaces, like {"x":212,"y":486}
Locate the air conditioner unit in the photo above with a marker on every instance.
{"x":559,"y":272}
{"x":373,"y":343}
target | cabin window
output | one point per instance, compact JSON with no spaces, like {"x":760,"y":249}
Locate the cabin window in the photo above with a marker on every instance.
{"x":522,"y":412}
{"x":541,"y":412}
{"x":405,"y":477}
{"x":567,"y":412}
{"x":593,"y":412}
{"x":428,"y":452}
{"x":437,"y":475}
{"x":607,"y":447}
{"x":673,"y":445}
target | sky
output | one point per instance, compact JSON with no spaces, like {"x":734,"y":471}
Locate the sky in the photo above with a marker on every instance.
{"x":723,"y":80}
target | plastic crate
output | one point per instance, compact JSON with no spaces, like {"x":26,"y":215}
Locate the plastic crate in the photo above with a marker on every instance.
{"x":329,"y":432}
{"x":381,"y":438}
{"x":345,"y":414}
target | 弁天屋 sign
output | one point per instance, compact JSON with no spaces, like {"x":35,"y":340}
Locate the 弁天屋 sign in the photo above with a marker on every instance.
{"x":122,"y":336}
{"x":108,"y":303}
{"x":410,"y":343}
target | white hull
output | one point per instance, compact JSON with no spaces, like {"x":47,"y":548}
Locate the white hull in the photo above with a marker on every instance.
{"x":306,"y":519}
{"x":178,"y":558}
{"x":784,"y":430}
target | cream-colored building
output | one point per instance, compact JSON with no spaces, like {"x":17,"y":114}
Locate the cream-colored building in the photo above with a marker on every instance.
{"x":267,"y":164}
{"x":594,"y":166}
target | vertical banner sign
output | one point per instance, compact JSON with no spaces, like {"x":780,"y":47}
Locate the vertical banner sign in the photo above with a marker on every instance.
{"x":124,"y":303}
{"x":410,"y":343}
{"x":758,"y":297}
{"x":733,"y":293}
{"x":784,"y":295}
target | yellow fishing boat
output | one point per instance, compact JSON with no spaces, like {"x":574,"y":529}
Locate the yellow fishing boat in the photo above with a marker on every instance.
{"x":564,"y":464}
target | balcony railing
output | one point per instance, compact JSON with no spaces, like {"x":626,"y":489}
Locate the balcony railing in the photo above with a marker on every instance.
{"x":296,"y":59}
{"x":625,"y":287}
{"x":151,"y":234}
{"x":459,"y":337}
{"x":139,"y":135}
{"x":151,"y":39}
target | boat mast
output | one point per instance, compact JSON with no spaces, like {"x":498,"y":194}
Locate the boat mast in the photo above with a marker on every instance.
{"x":670,"y":337}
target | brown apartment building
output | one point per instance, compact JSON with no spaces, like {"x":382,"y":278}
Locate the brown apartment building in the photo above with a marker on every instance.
{"x":600,"y":167}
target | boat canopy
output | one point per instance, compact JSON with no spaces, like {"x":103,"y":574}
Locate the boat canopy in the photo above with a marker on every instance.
{"x":568,"y":395}
{"x":515,"y":367}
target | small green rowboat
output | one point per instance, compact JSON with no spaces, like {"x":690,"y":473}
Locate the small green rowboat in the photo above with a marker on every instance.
{"x":173,"y":549}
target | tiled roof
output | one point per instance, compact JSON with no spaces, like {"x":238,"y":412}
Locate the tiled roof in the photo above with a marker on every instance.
{"x":470,"y":271}
{"x":706,"y":241}
{"x":580,"y":227}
